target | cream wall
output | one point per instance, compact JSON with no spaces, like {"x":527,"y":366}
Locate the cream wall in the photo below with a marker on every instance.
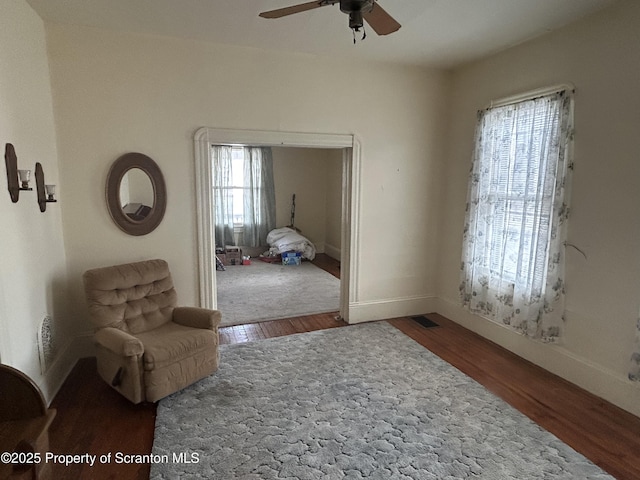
{"x":33,"y":265}
{"x":333,"y":225}
{"x":305,"y":172}
{"x":118,"y":92}
{"x":601,"y":57}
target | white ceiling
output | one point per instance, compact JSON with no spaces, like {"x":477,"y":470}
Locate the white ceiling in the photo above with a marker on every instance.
{"x":437,"y":33}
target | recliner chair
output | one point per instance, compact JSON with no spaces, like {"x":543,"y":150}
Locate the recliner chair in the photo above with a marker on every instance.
{"x":146,"y":346}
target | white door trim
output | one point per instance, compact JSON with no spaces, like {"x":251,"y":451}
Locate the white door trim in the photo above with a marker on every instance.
{"x":206,"y":136}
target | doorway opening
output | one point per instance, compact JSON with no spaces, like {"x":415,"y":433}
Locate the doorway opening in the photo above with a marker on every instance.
{"x":347,"y":146}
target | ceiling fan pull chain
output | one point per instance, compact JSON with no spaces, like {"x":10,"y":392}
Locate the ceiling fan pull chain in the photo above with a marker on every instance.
{"x":364,"y":34}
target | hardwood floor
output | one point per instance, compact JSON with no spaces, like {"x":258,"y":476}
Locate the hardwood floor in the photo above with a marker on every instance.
{"x":327,"y":263}
{"x":92,"y":418}
{"x":250,"y":332}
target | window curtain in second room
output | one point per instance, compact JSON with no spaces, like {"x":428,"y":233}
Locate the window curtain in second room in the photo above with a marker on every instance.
{"x":222,"y":196}
{"x":259,"y":196}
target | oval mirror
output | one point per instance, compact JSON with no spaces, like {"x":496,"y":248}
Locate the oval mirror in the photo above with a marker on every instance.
{"x":136,"y":194}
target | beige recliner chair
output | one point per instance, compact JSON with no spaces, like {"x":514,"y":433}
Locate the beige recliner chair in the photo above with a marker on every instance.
{"x":146,"y":346}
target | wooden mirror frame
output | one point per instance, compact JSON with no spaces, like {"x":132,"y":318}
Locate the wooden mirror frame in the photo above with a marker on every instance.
{"x":119,"y":168}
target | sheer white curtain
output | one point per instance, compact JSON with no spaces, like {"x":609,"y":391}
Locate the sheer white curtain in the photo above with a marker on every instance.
{"x":513,"y":247}
{"x":223,"y":194}
{"x":259,"y":196}
{"x":244,"y":194}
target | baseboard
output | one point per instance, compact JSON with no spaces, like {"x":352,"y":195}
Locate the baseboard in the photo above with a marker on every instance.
{"x":596,"y":379}
{"x":78,"y":347}
{"x":333,"y":252}
{"x":390,"y":308}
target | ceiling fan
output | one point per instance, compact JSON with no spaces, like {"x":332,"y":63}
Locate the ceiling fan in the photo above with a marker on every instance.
{"x":358,"y":11}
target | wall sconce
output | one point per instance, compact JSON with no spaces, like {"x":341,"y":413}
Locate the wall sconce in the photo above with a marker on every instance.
{"x":46,"y":193}
{"x":50,"y":190}
{"x":11,"y":162}
{"x":24,"y":176}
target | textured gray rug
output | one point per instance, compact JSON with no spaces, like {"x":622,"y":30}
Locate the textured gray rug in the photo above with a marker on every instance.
{"x":363,"y":401}
{"x":263,"y":291}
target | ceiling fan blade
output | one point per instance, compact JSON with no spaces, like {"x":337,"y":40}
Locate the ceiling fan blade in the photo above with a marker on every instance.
{"x":381,"y":22}
{"x":303,"y":7}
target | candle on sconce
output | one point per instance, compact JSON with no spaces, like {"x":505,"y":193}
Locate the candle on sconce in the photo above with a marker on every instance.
{"x":24,"y":178}
{"x":51,"y":192}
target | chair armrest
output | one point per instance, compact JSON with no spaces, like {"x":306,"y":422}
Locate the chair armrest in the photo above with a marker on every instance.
{"x":119,"y":342}
{"x":197,"y":317}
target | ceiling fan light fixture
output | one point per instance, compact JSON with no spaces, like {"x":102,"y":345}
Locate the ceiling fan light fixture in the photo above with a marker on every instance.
{"x":355,"y":21}
{"x":349,"y":6}
{"x":359,"y":11}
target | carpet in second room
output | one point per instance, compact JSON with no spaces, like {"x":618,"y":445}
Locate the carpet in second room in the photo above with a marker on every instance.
{"x":363,"y":401}
{"x":267,"y":291}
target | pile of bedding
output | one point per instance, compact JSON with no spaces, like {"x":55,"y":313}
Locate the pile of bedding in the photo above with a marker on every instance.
{"x":286,"y":239}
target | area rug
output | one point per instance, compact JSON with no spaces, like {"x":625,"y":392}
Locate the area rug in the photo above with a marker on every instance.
{"x":266,"y":291}
{"x":363,"y":401}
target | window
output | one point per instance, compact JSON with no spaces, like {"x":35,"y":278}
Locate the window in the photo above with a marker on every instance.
{"x":512,"y":265}
{"x":244,"y":194}
{"x":235,"y":191}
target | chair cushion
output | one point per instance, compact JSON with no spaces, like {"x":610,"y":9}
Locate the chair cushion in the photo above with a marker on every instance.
{"x":172,"y":343}
{"x":133,"y":297}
